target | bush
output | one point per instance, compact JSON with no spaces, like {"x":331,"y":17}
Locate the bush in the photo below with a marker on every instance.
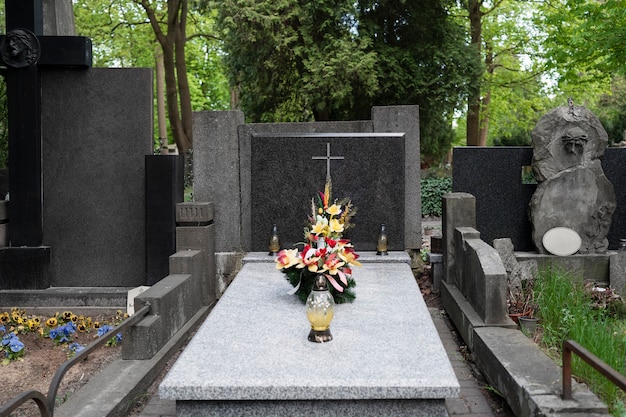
{"x":433,"y":188}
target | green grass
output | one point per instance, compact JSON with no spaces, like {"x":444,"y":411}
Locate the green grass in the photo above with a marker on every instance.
{"x":566,"y":312}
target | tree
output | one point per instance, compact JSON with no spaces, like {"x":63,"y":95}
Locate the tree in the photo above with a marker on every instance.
{"x":423,"y":59}
{"x":121,"y":23}
{"x":501,"y":33}
{"x":584,"y":37}
{"x":324,"y":60}
{"x":170,"y":28}
{"x":475,"y":15}
{"x":513,"y":92}
{"x":294,"y":61}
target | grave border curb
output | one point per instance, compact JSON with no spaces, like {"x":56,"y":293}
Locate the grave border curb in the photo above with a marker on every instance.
{"x":116,"y":389}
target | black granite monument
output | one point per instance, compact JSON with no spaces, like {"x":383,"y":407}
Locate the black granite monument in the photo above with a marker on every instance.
{"x":25,"y":52}
{"x":288,"y":170}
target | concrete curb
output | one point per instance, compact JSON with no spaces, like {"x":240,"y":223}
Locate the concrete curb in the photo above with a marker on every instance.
{"x":516,"y":367}
{"x":113,"y":391}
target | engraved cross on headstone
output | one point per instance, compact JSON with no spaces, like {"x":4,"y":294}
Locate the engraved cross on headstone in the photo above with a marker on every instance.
{"x":23,"y":51}
{"x":328,"y":158}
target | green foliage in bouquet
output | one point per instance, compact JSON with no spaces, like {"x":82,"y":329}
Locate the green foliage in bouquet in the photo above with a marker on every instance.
{"x":306,"y":280}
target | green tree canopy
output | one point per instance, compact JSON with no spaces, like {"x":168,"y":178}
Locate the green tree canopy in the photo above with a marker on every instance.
{"x":424,"y":59}
{"x":294,"y":61}
{"x":329,"y":60}
{"x":585,"y":38}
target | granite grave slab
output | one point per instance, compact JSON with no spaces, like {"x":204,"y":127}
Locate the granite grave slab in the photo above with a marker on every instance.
{"x":252,"y":356}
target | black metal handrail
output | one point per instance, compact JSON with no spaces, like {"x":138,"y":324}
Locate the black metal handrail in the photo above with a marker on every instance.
{"x":46,"y":402}
{"x":596,"y":363}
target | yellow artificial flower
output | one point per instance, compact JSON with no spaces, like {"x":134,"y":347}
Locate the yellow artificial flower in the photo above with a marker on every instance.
{"x":332,"y":266}
{"x":311,"y":264}
{"x":335,"y":226}
{"x":349,"y":258}
{"x":334,"y":210}
{"x":320,"y":226}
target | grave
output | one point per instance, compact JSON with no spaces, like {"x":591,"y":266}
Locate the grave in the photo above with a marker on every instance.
{"x":236,"y":166}
{"x":495,"y":177}
{"x":252,"y":356}
{"x":574,"y":201}
{"x":87,"y":153}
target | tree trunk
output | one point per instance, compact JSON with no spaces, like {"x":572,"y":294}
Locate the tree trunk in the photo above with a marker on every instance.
{"x":160,"y":92}
{"x":484,"y":120}
{"x":473,"y":99}
{"x":176,"y":88}
{"x":181,"y":76}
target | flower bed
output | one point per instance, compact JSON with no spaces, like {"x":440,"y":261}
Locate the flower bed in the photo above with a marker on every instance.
{"x":41,"y":354}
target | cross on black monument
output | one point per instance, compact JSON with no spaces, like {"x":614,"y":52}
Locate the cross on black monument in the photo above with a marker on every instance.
{"x":328,"y":158}
{"x":23,"y":51}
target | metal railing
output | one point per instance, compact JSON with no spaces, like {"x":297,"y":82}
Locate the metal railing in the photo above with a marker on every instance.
{"x":46,"y":402}
{"x":569,"y":347}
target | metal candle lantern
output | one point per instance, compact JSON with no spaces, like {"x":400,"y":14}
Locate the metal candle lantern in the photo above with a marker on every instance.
{"x":381,"y":244}
{"x":274,"y":244}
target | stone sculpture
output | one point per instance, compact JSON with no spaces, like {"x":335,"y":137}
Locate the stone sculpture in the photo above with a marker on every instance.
{"x":572,"y":190}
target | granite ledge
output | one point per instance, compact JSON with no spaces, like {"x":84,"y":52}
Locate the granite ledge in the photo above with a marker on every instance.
{"x":364,"y":257}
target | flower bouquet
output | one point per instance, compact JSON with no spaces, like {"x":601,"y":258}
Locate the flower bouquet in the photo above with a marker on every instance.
{"x":325,"y":252}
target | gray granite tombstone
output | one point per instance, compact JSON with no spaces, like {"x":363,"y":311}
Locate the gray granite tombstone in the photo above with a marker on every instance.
{"x":98,"y":129}
{"x":223,"y":169}
{"x":58,"y":18}
{"x":287,"y":171}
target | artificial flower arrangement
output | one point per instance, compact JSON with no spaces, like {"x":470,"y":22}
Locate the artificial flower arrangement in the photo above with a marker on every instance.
{"x":325,"y":251}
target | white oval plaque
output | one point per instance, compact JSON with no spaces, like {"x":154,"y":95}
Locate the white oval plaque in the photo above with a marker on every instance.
{"x":562,"y":241}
